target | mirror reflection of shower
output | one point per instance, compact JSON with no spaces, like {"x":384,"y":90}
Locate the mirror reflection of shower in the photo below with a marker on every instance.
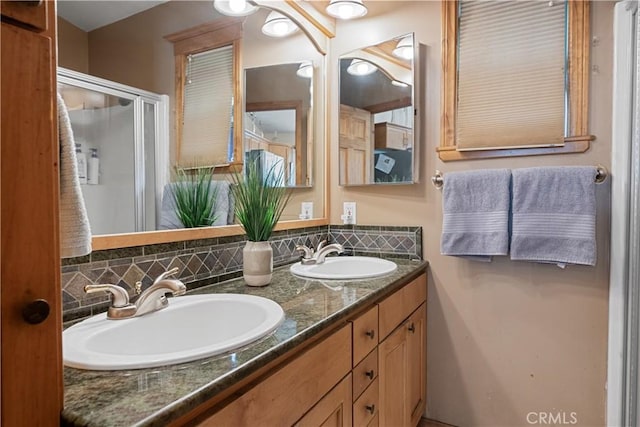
{"x":121,"y":142}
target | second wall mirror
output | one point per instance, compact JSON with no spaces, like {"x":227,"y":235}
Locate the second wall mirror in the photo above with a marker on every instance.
{"x":378,"y":121}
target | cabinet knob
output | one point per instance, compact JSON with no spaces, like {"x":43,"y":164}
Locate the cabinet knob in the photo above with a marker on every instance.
{"x":412,"y":327}
{"x":370,"y":374}
{"x":36,"y":311}
{"x":371,"y":334}
{"x":371,"y":408}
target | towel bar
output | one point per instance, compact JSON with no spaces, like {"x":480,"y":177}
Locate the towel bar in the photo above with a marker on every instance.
{"x":601,"y":175}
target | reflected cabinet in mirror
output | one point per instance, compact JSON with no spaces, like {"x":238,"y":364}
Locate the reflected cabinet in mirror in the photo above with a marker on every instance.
{"x":378,"y":126}
{"x":169,"y":88}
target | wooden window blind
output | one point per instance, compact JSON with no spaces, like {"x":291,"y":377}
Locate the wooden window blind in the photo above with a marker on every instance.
{"x":511,"y":74}
{"x":207,"y":110}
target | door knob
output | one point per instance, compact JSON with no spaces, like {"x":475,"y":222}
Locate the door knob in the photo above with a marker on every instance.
{"x":412,"y":328}
{"x":370,"y":374}
{"x":36,"y":311}
{"x":371,"y":334}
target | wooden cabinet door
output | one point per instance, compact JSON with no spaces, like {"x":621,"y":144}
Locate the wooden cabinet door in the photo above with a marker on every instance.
{"x":417,"y":361}
{"x":402,"y":377}
{"x":393,"y":354}
{"x":333,"y":410}
{"x":31,"y":362}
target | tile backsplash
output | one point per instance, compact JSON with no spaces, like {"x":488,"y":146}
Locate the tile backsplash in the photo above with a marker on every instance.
{"x":206,"y":261}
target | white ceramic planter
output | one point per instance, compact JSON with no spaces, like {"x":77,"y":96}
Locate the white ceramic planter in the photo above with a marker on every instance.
{"x":257,"y":258}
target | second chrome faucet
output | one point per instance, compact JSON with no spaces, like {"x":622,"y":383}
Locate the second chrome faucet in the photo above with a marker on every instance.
{"x":309,"y":256}
{"x":150,"y":300}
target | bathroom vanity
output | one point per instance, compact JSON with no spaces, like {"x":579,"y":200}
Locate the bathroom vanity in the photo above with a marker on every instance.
{"x":347,"y":353}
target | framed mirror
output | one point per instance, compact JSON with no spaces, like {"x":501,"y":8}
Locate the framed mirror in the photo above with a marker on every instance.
{"x":378,"y":114}
{"x":132,"y":52}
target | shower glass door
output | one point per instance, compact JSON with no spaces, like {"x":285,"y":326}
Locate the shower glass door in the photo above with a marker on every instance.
{"x":119,"y":133}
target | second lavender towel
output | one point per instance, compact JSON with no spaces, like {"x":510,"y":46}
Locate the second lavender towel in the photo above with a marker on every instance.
{"x":554,"y":215}
{"x":475,"y":207}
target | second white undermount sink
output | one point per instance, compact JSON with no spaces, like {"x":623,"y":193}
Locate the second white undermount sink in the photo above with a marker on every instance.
{"x":190,"y":328}
{"x":345,"y":268}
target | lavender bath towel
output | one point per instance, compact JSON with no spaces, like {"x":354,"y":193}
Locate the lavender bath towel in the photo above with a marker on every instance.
{"x":554,"y":215}
{"x":475,"y":209}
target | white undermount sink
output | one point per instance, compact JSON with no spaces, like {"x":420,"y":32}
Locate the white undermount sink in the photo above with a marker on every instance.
{"x":345,"y":268}
{"x":190,"y":328}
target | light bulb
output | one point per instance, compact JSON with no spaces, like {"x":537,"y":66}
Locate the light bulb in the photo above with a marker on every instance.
{"x":362,"y":68}
{"x":237,"y":5}
{"x":345,"y":11}
{"x":280,"y":28}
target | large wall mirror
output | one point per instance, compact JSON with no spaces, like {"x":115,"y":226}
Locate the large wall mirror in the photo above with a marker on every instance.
{"x":134,"y":74}
{"x":378,"y":113}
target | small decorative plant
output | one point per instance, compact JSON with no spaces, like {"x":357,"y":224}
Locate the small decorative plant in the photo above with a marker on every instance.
{"x":259,"y":200}
{"x":195,"y":197}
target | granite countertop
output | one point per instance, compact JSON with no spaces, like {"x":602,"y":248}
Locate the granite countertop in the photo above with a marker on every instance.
{"x":156,"y":396}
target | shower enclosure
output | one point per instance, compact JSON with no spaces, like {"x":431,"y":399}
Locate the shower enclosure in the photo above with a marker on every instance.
{"x":126,"y":129}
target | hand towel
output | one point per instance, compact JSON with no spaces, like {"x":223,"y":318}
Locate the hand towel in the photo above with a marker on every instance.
{"x":554,"y":215}
{"x":475,"y":210}
{"x":75,"y":233}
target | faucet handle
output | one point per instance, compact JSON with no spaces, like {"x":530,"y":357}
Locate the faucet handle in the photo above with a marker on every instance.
{"x":166,"y":274}
{"x":322,"y":243}
{"x":308,"y":252}
{"x":120,"y":295}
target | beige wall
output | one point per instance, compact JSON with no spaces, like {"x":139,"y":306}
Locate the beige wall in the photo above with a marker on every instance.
{"x":73,"y":47}
{"x":504,"y":338}
{"x":134,"y":52}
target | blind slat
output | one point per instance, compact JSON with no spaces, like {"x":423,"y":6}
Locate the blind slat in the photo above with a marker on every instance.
{"x":207,"y":112}
{"x":511,"y":74}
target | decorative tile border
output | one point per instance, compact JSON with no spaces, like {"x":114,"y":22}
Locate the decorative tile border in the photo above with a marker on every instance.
{"x":389,"y":241}
{"x":206,"y":261}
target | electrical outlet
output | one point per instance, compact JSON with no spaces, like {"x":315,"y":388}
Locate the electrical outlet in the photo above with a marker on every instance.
{"x":306,"y":210}
{"x":348,"y":213}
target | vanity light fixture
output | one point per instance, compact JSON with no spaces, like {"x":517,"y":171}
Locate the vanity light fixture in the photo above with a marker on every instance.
{"x":234,"y":7}
{"x":404,"y":48}
{"x":360,"y":67}
{"x":346,"y":9}
{"x":305,"y":69}
{"x":278,"y":25}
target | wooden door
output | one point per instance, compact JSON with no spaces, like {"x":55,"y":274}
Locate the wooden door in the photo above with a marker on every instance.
{"x":31,"y":367}
{"x":417,"y":363}
{"x":333,"y":410}
{"x":393,"y":354}
{"x":355,"y":143}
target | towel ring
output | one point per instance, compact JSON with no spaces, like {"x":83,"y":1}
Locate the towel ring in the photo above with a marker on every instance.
{"x":601,"y":175}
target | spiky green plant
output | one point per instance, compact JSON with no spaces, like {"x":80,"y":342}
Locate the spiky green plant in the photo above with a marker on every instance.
{"x":195,"y":197}
{"x":259,"y":202}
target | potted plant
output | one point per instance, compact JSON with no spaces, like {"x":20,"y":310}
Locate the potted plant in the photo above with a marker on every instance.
{"x":194,"y":197}
{"x":260,"y":199}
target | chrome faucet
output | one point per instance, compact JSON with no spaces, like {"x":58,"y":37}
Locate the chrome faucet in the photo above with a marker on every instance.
{"x":309,"y":255}
{"x":152,"y":299}
{"x":322,"y":253}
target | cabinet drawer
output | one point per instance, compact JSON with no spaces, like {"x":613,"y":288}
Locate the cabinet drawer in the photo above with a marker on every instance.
{"x":284,"y":397}
{"x":365,"y":373}
{"x":397,"y":307}
{"x":367,"y":406}
{"x":365,"y":334}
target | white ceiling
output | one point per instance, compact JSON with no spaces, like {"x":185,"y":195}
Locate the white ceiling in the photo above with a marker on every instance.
{"x":89,"y":15}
